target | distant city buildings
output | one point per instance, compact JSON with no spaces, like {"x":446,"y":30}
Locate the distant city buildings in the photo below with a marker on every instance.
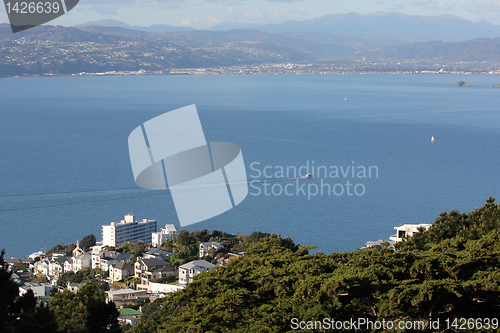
{"x":128,"y":230}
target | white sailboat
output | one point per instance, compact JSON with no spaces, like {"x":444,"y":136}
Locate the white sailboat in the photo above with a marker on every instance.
{"x":345,"y":98}
{"x":432,"y":139}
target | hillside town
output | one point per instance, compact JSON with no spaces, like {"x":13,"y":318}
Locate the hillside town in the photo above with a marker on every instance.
{"x":129,"y":280}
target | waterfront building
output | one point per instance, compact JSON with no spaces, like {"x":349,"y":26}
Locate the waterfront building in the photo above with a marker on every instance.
{"x":407,"y":230}
{"x":127,"y":230}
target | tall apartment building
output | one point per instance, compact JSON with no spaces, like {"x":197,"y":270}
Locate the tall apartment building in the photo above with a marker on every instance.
{"x":128,"y":230}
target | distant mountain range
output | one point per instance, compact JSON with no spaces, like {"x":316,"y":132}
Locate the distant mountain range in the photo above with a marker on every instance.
{"x":392,"y":26}
{"x":151,"y":28}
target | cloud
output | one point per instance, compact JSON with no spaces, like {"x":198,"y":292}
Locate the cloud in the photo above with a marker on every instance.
{"x":487,"y":6}
{"x":433,"y":5}
{"x":108,"y":6}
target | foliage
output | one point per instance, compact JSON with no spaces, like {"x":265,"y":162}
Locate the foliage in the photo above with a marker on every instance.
{"x":83,"y":275}
{"x":21,"y":314}
{"x":85,"y":312}
{"x":185,"y":247}
{"x":88,"y":241}
{"x":67,"y":249}
{"x":450,"y":271}
{"x":136,"y":248}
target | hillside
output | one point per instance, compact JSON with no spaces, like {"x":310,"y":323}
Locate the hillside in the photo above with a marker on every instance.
{"x":449,"y":272}
{"x":482,"y":49}
{"x":92,"y":49}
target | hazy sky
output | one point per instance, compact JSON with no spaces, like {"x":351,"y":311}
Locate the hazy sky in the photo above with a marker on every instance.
{"x":206,"y":13}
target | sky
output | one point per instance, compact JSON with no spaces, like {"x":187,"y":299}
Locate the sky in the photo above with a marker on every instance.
{"x":203,"y":14}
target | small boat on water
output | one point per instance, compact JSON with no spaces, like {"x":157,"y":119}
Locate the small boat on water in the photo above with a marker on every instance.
{"x":308,"y":176}
{"x":432,"y":139}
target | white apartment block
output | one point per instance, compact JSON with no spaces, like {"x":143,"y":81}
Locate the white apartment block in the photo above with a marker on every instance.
{"x":128,"y":230}
{"x":407,"y":230}
{"x":169,"y":232}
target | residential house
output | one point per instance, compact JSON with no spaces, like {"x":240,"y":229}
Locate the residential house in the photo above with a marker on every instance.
{"x":125,"y":296}
{"x":129,"y":316}
{"x":228,"y":256}
{"x":163,"y":288}
{"x":39,"y":289}
{"x":146,"y":270}
{"x":81,"y":262}
{"x":156,"y":254}
{"x":407,"y":230}
{"x":74,"y":287}
{"x":206,"y":246}
{"x":119,"y":270}
{"x":41,"y":267}
{"x":188,"y":271}
{"x":96,"y":257}
{"x":68,"y":265}
{"x":56,"y":267}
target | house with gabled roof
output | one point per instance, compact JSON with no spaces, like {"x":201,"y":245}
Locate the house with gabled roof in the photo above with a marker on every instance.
{"x":189,"y":270}
{"x":145,"y":268}
{"x":156,"y":253}
{"x":119,"y":270}
{"x":81,"y":262}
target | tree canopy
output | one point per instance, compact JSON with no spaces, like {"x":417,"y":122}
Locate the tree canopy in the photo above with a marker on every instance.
{"x":450,"y":271}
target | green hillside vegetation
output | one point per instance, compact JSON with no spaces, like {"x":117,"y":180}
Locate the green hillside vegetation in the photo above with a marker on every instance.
{"x":185,"y":247}
{"x":449,"y":271}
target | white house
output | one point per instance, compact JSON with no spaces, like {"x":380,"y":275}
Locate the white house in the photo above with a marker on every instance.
{"x":169,"y":232}
{"x":129,"y":295}
{"x":97,"y":256}
{"x":407,"y":230}
{"x":206,"y":246}
{"x":128,"y":230}
{"x":118,"y":271}
{"x":156,"y":254}
{"x":56,"y":267}
{"x":81,"y":262}
{"x":41,"y":267}
{"x":39,"y":289}
{"x":163,"y":288}
{"x":188,"y":271}
{"x":68,"y":265}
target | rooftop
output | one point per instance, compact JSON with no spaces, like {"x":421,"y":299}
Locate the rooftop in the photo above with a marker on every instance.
{"x":197,"y":264}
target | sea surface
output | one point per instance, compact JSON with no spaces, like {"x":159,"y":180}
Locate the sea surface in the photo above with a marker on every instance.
{"x":65,"y":168}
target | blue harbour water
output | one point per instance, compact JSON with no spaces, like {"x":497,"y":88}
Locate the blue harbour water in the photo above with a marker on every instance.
{"x":65,"y":168}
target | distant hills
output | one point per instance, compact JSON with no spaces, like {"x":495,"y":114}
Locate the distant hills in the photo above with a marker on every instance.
{"x":114,"y":45}
{"x":391,"y":26}
{"x":481,"y":49}
{"x":151,"y":28}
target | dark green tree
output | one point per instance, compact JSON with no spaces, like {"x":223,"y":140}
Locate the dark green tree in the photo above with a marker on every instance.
{"x":85,"y":312}
{"x":88,"y":241}
{"x":21,"y":314}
